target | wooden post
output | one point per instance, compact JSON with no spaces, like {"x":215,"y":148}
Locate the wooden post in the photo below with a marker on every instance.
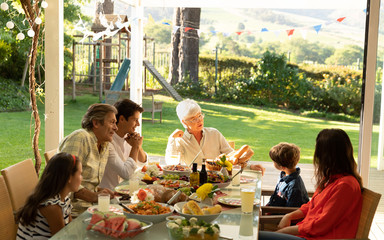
{"x":73,"y":70}
{"x":101,"y":70}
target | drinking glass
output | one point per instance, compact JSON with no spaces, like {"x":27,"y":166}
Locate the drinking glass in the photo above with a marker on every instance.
{"x":133,"y":185}
{"x":247,"y":199}
{"x":173,"y":160}
{"x":258,"y":186}
{"x":246,"y":227}
{"x":236,"y":180}
{"x":103,"y":202}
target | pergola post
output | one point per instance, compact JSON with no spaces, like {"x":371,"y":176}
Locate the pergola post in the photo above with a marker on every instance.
{"x":137,"y":34}
{"x":54,"y":74}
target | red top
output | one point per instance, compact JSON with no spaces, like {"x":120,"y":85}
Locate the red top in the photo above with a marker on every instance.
{"x":334,"y":213}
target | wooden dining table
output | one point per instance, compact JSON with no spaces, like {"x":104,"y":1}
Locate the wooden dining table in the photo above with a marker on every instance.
{"x":231,"y":220}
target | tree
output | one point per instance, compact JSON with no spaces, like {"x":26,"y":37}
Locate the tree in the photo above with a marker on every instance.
{"x":346,"y":56}
{"x":185,"y":45}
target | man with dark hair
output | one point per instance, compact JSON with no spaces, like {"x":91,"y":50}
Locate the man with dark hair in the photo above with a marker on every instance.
{"x":91,"y":145}
{"x":125,"y":152}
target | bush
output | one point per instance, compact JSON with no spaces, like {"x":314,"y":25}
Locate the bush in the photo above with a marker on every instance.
{"x":13,"y":97}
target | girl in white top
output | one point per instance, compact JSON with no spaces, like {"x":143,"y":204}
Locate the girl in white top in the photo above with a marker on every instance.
{"x":48,"y":208}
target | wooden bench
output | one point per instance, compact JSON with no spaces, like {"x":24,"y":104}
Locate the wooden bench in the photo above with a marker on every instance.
{"x":152,"y":106}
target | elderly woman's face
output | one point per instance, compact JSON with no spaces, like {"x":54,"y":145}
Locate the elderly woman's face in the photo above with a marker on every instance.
{"x":195,"y":123}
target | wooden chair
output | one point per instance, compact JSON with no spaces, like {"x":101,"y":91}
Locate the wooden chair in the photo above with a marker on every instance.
{"x":370,"y":202}
{"x":49,"y":154}
{"x":152,"y":106}
{"x":8,"y":226}
{"x":21,"y":179}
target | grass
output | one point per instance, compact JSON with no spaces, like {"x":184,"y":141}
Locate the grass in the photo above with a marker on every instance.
{"x":261,"y":128}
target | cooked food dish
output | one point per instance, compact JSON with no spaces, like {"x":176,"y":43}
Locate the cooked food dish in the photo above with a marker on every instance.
{"x":149,"y":208}
{"x":212,"y":165}
{"x":172,"y":183}
{"x":163,"y":194}
{"x":192,"y":229}
{"x":191,"y":207}
{"x":179,"y":168}
{"x":216,"y":177}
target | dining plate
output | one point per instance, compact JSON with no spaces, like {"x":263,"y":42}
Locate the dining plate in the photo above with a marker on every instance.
{"x":247,"y":179}
{"x":172,"y":183}
{"x":208,"y":217}
{"x":222,"y":185}
{"x":234,"y":201}
{"x":112,"y":208}
{"x":124,"y":189}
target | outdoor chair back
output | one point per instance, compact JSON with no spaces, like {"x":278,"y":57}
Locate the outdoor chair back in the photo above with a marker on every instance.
{"x":7,"y":221}
{"x":49,"y":154}
{"x":21,"y":179}
{"x":370,"y":201}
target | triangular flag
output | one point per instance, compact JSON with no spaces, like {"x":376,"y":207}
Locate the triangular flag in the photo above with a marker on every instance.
{"x":317,"y":28}
{"x":277,"y":32}
{"x":213,"y":32}
{"x":340,"y":19}
{"x":150,"y":19}
{"x":186,"y":29}
{"x":290,"y":32}
{"x":304,"y":33}
{"x":239,"y":33}
{"x":175,"y":28}
{"x":166,"y":23}
{"x":199,"y":32}
{"x":264,"y":30}
{"x":226,"y":34}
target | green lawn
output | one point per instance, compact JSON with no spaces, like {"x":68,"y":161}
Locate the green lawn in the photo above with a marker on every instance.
{"x":261,"y":128}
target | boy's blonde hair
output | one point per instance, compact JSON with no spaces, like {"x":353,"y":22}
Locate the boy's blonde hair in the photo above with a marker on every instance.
{"x":285,"y":154}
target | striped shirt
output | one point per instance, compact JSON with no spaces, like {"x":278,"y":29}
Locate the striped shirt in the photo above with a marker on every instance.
{"x":39,"y":229}
{"x":83,"y":144}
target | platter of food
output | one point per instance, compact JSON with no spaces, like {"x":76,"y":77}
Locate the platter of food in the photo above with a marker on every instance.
{"x":192,"y":229}
{"x":116,"y":226}
{"x":149,"y":211}
{"x":198,"y":210}
{"x":219,"y":179}
{"x":170,"y":183}
{"x":124,"y":189}
{"x":233,"y":201}
{"x":181,"y":170}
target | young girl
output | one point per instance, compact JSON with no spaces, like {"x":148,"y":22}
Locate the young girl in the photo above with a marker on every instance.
{"x":48,"y":209}
{"x":334,"y":210}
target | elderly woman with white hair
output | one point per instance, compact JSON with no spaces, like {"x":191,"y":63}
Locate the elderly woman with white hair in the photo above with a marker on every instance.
{"x":197,"y":142}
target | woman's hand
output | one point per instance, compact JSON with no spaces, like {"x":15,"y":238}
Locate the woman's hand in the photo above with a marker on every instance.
{"x":257,"y":167}
{"x":284,"y":222}
{"x":177,"y":133}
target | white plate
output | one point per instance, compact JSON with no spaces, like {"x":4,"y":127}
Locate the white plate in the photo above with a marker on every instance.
{"x":208,"y":218}
{"x":222,"y":185}
{"x":124,"y":189}
{"x":112,"y":208}
{"x":151,"y":218}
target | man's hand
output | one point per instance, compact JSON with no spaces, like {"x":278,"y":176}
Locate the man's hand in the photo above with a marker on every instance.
{"x":134,"y":139}
{"x":106,"y":190}
{"x":177,"y":133}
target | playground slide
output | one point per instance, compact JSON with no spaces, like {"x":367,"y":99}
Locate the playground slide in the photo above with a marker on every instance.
{"x":118,"y":84}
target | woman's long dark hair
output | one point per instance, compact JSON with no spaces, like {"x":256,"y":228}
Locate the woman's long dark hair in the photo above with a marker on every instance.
{"x":333,"y":155}
{"x":54,"y":178}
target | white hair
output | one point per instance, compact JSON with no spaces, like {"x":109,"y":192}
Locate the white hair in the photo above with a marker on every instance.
{"x":186,"y":109}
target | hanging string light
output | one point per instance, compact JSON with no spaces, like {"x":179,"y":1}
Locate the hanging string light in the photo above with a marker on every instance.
{"x":4,"y":6}
{"x":31,"y":33}
{"x":38,"y":21}
{"x":20,"y":36}
{"x":10,"y":25}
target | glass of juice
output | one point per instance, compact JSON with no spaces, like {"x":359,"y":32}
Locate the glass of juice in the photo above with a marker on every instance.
{"x":236,"y":180}
{"x":103,"y":202}
{"x":247,"y":199}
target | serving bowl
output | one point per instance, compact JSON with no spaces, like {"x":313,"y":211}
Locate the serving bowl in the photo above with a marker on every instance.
{"x":175,"y":169}
{"x":208,"y":217}
{"x":151,"y":218}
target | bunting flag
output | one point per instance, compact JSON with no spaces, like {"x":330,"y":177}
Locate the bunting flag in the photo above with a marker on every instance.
{"x":239,"y":33}
{"x":290,"y":32}
{"x":340,"y":19}
{"x":175,"y":28}
{"x":304,"y":33}
{"x":277,"y":32}
{"x":166,"y":23}
{"x":264,"y":30}
{"x":186,"y":29}
{"x":317,"y":28}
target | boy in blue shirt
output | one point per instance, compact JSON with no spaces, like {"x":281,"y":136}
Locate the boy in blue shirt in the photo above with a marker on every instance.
{"x":290,"y":190}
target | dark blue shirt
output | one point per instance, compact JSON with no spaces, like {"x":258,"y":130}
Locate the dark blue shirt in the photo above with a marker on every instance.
{"x":290,"y":191}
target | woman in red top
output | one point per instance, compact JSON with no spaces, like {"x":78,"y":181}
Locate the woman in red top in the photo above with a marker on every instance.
{"x":334,"y":210}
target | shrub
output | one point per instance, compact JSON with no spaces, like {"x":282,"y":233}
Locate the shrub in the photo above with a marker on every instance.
{"x":13,"y":97}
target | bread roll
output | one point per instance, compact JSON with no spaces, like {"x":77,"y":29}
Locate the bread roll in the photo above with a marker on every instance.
{"x":194,"y":208}
{"x":212,"y":210}
{"x":185,"y":209}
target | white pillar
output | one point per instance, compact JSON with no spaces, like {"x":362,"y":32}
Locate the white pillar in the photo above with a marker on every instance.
{"x":137,"y":34}
{"x":54,"y":77}
{"x":380,"y":162}
{"x":366,"y":120}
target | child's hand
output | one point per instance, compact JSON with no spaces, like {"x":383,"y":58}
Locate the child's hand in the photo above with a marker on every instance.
{"x":257,"y":167}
